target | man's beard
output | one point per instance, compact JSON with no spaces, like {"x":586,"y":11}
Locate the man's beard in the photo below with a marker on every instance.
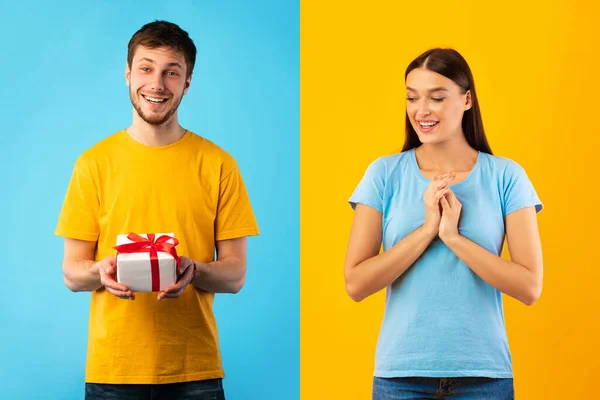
{"x":155,"y":120}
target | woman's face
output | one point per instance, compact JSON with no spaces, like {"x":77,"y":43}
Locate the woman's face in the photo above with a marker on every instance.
{"x":435,"y":106}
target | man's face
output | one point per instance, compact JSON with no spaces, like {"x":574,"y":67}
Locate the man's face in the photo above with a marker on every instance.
{"x":157,"y":83}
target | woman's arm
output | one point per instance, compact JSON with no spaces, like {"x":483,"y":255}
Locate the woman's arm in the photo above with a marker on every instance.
{"x":366,"y":271}
{"x":521,"y":277}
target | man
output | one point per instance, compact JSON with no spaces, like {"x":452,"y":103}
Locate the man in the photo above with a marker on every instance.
{"x":156,"y":177}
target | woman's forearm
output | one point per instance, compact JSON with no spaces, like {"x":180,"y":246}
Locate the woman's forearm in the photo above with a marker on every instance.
{"x":376,"y":273}
{"x":510,"y":278}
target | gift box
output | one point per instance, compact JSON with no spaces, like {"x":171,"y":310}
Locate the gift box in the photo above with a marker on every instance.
{"x":147,"y":262}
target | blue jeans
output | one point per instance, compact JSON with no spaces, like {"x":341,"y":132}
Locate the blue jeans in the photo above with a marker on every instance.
{"x":415,"y":388}
{"x":210,"y":389}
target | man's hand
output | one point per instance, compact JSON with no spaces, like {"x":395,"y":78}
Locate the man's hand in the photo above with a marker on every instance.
{"x":188,"y":267}
{"x":107,"y":268}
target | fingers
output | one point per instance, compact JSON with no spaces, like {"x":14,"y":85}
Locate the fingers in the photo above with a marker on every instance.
{"x":443,"y":178}
{"x":449,"y":201}
{"x":447,"y":175}
{"x":109,"y":265}
{"x":442,"y":181}
{"x":114,"y":287}
{"x":453,"y":200}
{"x":440,"y":194}
{"x":444,"y":175}
{"x":110,"y":261}
{"x":170,"y":295}
{"x":445,"y":204}
{"x":107,"y":277}
{"x":443,"y":184}
{"x":172,"y":291}
{"x":128,"y":295}
{"x":177,"y":289}
{"x":185,"y":263}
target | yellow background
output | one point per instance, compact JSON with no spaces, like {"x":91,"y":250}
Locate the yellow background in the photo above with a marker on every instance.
{"x":537,"y":74}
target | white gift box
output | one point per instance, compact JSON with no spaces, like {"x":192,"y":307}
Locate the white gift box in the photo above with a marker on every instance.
{"x":134,"y":269}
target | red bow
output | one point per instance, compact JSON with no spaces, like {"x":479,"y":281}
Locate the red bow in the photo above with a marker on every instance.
{"x":142,"y":245}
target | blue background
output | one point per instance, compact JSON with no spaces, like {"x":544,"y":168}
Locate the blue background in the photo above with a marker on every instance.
{"x":63,"y":90}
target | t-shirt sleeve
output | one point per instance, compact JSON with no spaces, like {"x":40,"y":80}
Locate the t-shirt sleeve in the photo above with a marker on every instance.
{"x":78,"y":218}
{"x":370,"y":189}
{"x":235,"y":217}
{"x":518,"y":190}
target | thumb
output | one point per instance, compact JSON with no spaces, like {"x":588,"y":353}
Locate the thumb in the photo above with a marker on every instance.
{"x":110,"y":264}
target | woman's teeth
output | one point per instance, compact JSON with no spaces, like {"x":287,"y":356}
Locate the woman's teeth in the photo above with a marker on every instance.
{"x":427,"y":124}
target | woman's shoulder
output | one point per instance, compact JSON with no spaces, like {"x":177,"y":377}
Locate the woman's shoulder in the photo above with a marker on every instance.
{"x":504,"y":169}
{"x":392,"y":160}
{"x":501,"y":163}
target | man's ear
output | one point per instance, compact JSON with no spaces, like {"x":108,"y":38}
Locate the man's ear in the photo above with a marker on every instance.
{"x":127,"y":73}
{"x":188,"y":82}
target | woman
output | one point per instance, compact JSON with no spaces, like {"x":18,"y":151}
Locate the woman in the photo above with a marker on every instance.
{"x":442,"y":208}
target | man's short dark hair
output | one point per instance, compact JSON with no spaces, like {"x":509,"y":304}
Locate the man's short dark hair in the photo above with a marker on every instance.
{"x":164,"y":34}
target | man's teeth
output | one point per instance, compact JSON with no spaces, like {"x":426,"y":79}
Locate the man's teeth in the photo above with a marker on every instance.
{"x":154,"y":99}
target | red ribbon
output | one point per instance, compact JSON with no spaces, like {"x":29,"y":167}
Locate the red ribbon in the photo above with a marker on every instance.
{"x":153,"y":246}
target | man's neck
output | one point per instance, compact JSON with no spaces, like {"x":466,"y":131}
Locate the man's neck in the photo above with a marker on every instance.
{"x":155,"y":135}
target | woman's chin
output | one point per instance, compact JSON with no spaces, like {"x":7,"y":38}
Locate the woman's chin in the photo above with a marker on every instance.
{"x":429,"y":139}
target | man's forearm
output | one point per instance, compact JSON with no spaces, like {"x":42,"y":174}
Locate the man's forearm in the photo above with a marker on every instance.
{"x":81,"y":276}
{"x":221,"y":276}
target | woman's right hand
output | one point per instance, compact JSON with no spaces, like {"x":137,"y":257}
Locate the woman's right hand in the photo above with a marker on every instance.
{"x":432,"y":196}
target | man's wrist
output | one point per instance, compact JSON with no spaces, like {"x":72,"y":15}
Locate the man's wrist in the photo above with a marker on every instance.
{"x":94,"y":267}
{"x":199,"y":268}
{"x":194,"y":269}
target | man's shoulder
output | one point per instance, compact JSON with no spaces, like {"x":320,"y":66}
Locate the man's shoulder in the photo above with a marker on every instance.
{"x":211,"y":151}
{"x":101,"y":149}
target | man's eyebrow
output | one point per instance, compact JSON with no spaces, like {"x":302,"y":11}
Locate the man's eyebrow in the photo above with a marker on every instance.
{"x":173,"y":64}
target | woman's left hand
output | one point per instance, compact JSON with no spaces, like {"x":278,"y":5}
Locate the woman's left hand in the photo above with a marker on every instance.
{"x":451,"y":208}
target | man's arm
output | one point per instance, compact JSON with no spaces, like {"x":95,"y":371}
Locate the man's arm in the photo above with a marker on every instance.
{"x":79,"y":268}
{"x":228,"y":273}
{"x":83,"y":274}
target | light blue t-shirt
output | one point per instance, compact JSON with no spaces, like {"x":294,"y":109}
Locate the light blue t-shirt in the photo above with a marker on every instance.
{"x":441,"y":319}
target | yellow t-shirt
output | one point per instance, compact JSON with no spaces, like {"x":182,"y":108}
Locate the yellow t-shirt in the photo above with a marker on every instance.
{"x":192,"y":188}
